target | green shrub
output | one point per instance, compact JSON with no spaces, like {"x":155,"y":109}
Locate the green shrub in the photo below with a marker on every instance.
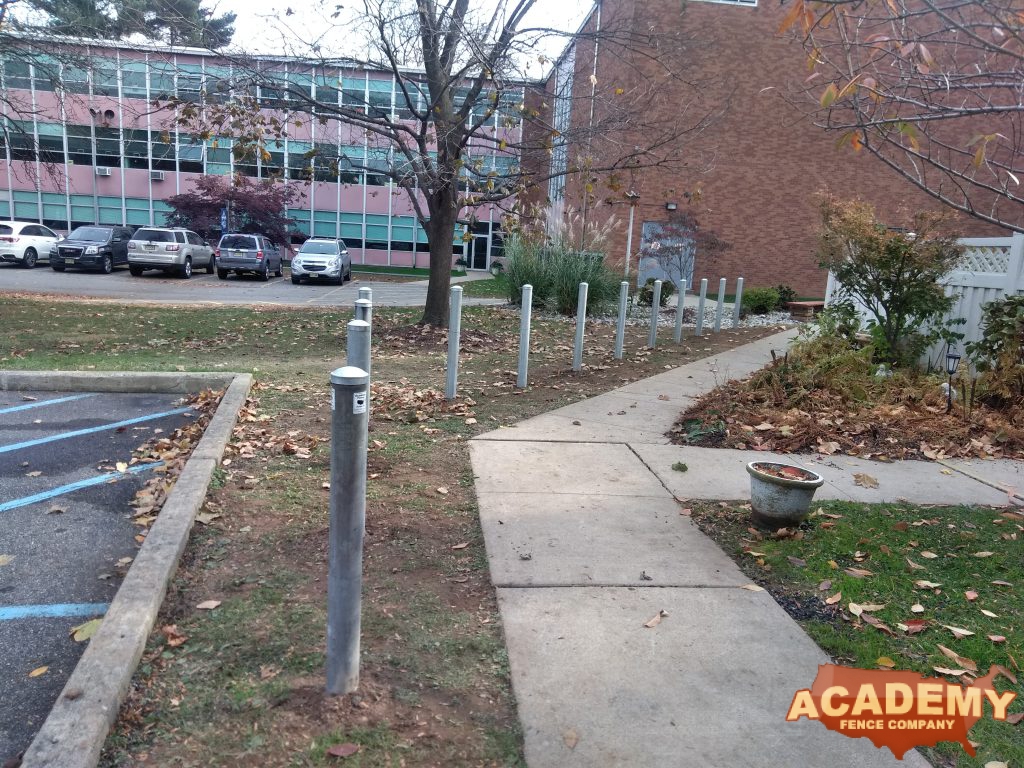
{"x":760,"y":301}
{"x":999,"y":354}
{"x":786,"y":294}
{"x":645,"y":295}
{"x":555,"y":272}
{"x":525,"y":265}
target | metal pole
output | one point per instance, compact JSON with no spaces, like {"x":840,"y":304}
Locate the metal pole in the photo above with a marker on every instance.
{"x":364,"y":310}
{"x":524,"y":337}
{"x":454,"y":331}
{"x":699,"y":330}
{"x":349,"y":404}
{"x":629,"y":238}
{"x":738,"y":303}
{"x":581,"y":321}
{"x":620,"y":327}
{"x":721,"y":305}
{"x":358,"y":345}
{"x":652,"y":336}
{"x":680,"y":306}
{"x":366,"y":293}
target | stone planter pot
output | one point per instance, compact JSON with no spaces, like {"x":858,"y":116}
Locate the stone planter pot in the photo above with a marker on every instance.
{"x":781,"y":494}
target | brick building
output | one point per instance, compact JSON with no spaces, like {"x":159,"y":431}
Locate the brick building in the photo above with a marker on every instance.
{"x":758,"y":162}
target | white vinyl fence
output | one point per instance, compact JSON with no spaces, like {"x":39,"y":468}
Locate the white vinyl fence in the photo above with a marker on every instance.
{"x":993,"y":268}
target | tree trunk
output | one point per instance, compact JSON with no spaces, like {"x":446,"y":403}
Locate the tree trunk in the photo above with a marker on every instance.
{"x":440,"y":236}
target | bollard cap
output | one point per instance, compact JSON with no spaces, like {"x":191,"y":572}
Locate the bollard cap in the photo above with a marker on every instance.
{"x":364,"y":303}
{"x":456,"y":288}
{"x":357,"y":325}
{"x":350,"y":376}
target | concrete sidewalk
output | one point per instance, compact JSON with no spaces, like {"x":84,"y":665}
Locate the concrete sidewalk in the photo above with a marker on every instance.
{"x":586,"y":543}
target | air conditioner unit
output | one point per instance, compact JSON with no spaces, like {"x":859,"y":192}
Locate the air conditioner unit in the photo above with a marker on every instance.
{"x":156,"y":175}
{"x":102,"y":171}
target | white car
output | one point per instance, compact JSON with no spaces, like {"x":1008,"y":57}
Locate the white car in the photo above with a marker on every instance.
{"x":24,"y":243}
{"x":322,"y":259}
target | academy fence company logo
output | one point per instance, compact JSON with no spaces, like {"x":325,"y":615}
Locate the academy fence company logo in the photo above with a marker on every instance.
{"x":899,"y":710}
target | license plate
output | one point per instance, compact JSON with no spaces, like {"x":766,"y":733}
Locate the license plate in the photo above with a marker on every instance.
{"x":237,"y":253}
{"x":149,"y":246}
{"x":69,"y":262}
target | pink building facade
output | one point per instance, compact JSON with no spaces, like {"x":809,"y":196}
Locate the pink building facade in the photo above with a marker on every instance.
{"x":94,"y":142}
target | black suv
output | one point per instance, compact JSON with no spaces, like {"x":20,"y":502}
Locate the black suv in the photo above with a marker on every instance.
{"x":92,"y":247}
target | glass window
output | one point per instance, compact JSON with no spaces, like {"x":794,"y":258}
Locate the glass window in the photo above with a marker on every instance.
{"x":75,"y":79}
{"x":108,"y":147}
{"x":379,"y":97}
{"x":163,"y":150}
{"x":154,"y":235}
{"x":328,"y":88}
{"x":190,"y":155}
{"x":136,"y":148}
{"x":133,"y":79}
{"x":328,"y":247}
{"x":354,"y":93}
{"x":161,"y":80}
{"x":104,"y":77}
{"x":46,"y":73}
{"x":414,"y":96}
{"x":190,"y":82}
{"x":94,"y":234}
{"x":218,"y":84}
{"x":241,"y":242}
{"x":17,"y":72}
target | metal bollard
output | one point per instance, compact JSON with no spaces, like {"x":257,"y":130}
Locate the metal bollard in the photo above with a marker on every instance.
{"x":364,"y":310}
{"x":738,"y":303}
{"x":652,"y":336}
{"x":366,"y":293}
{"x":680,"y":307}
{"x":454,"y":331}
{"x":581,"y":321}
{"x":349,"y":405}
{"x":699,"y":330}
{"x":358,"y":345}
{"x":620,"y":327}
{"x":721,"y":305}
{"x":524,"y":337}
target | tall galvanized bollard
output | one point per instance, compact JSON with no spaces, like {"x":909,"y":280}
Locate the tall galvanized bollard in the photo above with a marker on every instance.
{"x":620,"y":327}
{"x":738,"y":303}
{"x":358,"y":345}
{"x":699,"y":330}
{"x":721,"y":305}
{"x":524,"y":337}
{"x":652,"y":335}
{"x":349,"y":404}
{"x":451,"y":384}
{"x":366,"y":293}
{"x":677,"y":334}
{"x":581,"y":321}
{"x":364,"y":310}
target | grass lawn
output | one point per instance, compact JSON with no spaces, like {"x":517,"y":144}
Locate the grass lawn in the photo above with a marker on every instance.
{"x":246,"y":686}
{"x":419,"y":272}
{"x":930,"y":568}
{"x":494,"y":287}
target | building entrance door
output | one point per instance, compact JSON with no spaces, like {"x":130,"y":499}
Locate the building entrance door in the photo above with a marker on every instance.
{"x":478,"y":252}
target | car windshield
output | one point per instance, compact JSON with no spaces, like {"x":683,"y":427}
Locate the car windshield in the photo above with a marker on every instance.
{"x":154,"y":235}
{"x":319,"y":247}
{"x":237,"y":241}
{"x":96,"y":234}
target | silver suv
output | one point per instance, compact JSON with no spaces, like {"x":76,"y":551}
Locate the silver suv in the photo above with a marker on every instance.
{"x":322,"y":258}
{"x":240,"y":253}
{"x":171,"y":250}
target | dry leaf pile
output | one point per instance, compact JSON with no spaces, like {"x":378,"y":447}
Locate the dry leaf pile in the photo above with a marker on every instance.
{"x":405,"y":402}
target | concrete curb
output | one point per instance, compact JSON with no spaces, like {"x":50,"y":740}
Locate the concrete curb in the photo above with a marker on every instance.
{"x":114,"y":381}
{"x":74,"y":732}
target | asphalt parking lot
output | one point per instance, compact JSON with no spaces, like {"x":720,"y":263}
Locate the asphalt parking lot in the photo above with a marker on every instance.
{"x":65,"y":532}
{"x":209,"y":289}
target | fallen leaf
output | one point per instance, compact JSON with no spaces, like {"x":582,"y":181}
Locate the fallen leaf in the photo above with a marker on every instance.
{"x":858,"y":573}
{"x":752,"y":553}
{"x":913,"y":626}
{"x":343,"y":750}
{"x":1002,"y":583}
{"x":990,"y":614}
{"x":946,"y":671}
{"x":833,"y":565}
{"x":752,"y":588}
{"x":996,"y":638}
{"x":924,"y":584}
{"x":462,"y":545}
{"x":656,"y":620}
{"x":984,"y":554}
{"x":1015,"y":718}
{"x":996,"y":764}
{"x":85,"y":631}
{"x":960,"y":660}
{"x":121,"y":466}
{"x":971,"y":595}
{"x":929,"y":555}
{"x":865,"y":481}
{"x":38,"y":671}
{"x":33,"y":473}
{"x":917,"y":608}
{"x":958,"y":632}
{"x":571,"y":738}
{"x":796,"y":561}
{"x":855,"y":609}
{"x":174,"y":637}
{"x":834,"y":599}
{"x":208,"y":605}
{"x":206,"y":517}
{"x":443,"y":491}
{"x":6,"y":559}
{"x":56,"y":509}
{"x":885,"y":661}
{"x":470,"y":421}
{"x":825,"y":586}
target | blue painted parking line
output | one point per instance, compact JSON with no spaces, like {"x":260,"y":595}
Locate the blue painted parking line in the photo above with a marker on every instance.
{"x":41,"y":403}
{"x":24,"y":501}
{"x":90,"y":430}
{"x":55,"y":611}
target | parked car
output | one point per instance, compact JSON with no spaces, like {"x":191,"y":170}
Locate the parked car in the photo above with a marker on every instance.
{"x":93,"y":247}
{"x":24,"y":243}
{"x":322,"y":258}
{"x":172,"y":250}
{"x":241,"y":253}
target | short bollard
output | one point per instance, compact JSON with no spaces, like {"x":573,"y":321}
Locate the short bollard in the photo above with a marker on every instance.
{"x":364,"y":310}
{"x":358,"y":345}
{"x":451,"y":384}
{"x":349,"y":402}
{"x":581,"y":321}
{"x":677,"y":335}
{"x":737,"y":303}
{"x":699,"y":330}
{"x":721,"y":305}
{"x":524,"y":337}
{"x":620,"y":327}
{"x":366,"y":293}
{"x":652,"y":335}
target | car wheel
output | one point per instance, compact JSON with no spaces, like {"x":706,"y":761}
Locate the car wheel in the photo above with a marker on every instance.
{"x":264,"y":274}
{"x":186,"y":268}
{"x":279,"y":272}
{"x":57,"y":267}
{"x":296,"y":280}
{"x":211,"y":266}
{"x":222,"y":273}
{"x":135,"y":270}
{"x":30,"y":258}
{"x":348,"y":275}
{"x":108,"y":264}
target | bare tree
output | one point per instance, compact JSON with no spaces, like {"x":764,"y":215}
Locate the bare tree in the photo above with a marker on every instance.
{"x":462,"y":96}
{"x":675,"y":244}
{"x":932,"y":88}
